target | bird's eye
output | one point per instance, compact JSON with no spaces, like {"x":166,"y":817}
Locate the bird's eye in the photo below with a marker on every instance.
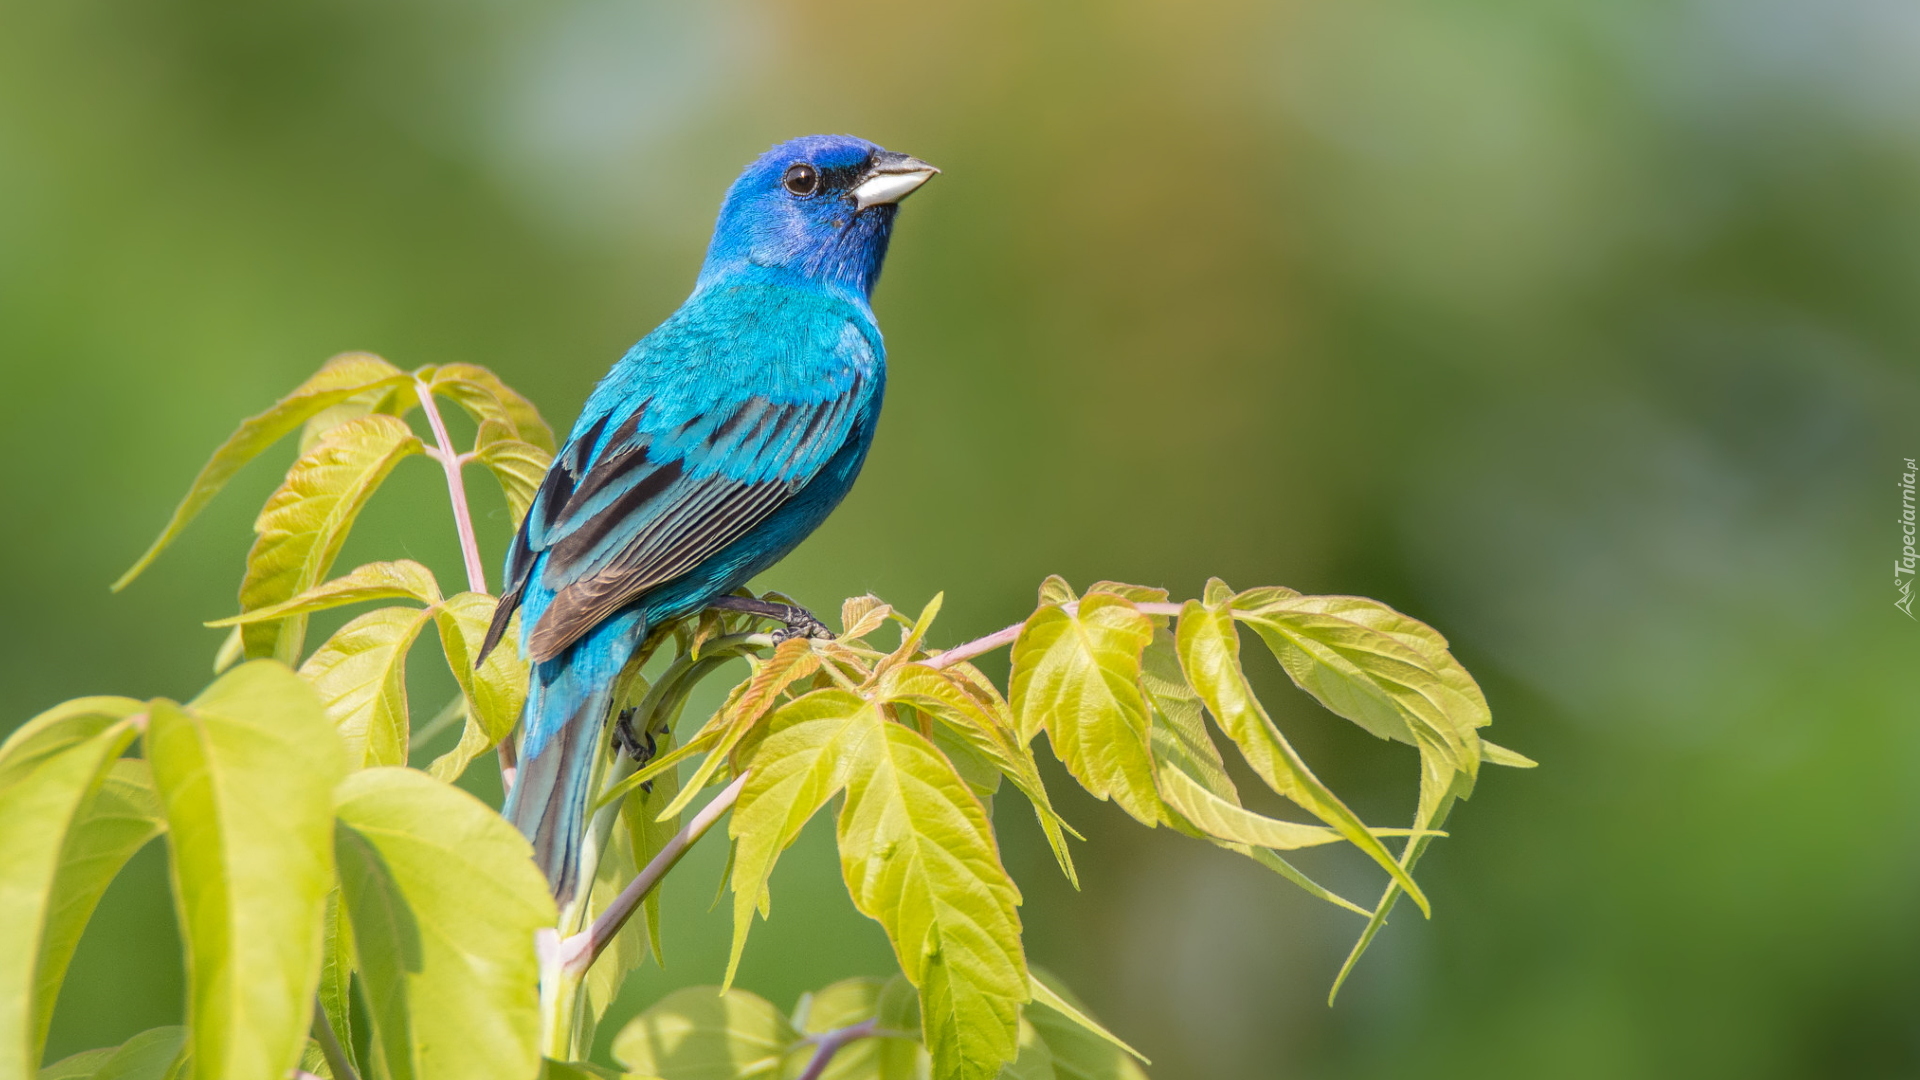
{"x":802,"y":179}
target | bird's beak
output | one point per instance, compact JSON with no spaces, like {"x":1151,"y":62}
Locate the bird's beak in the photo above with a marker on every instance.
{"x":890,"y":178}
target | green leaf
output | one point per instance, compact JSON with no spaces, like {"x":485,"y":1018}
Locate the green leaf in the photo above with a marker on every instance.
{"x":989,"y":731}
{"x":862,"y":615}
{"x":80,"y":1066}
{"x":919,"y":857}
{"x":336,"y":973}
{"x":578,"y":1070}
{"x":444,"y":899}
{"x":400,"y":580}
{"x":518,"y":466}
{"x":495,"y":691}
{"x":1078,"y":677}
{"x":246,"y":772}
{"x":1055,"y":590}
{"x":793,"y":660}
{"x":698,"y":1034}
{"x":894,"y":1055}
{"x":1388,"y":673}
{"x":307,"y":519}
{"x":1181,"y":742}
{"x":481,"y":393}
{"x":361,"y":677}
{"x":123,"y":814}
{"x":1035,"y":1061}
{"x":339,"y":379}
{"x":1209,"y":650}
{"x":1218,"y":817}
{"x":155,"y":1054}
{"x":50,"y":770}
{"x":1081,"y":1048}
{"x":801,"y":764}
{"x":1500,"y":755}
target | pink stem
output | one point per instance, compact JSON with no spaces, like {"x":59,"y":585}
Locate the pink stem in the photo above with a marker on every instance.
{"x":830,"y":1042}
{"x":1012,"y":633}
{"x":450,"y":462}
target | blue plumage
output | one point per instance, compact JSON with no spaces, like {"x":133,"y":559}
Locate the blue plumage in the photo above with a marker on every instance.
{"x":709,"y":451}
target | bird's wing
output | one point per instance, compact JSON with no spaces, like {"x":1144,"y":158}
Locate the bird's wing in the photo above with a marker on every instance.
{"x":624,"y":511}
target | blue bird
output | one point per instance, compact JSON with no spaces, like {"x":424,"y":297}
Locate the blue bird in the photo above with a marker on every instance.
{"x":711,"y":449}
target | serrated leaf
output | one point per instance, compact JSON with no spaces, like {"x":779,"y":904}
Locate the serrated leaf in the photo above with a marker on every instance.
{"x":360,"y":674}
{"x":246,"y":773}
{"x":945,"y":696}
{"x":792,"y":660}
{"x":518,"y":466}
{"x":1081,"y":1048}
{"x":697,"y":1034}
{"x":403,"y":579}
{"x":1389,"y":673}
{"x":481,"y":393}
{"x":1077,"y":676}
{"x":802,"y":762}
{"x":1209,"y":649}
{"x":862,"y":615}
{"x":495,"y":691}
{"x":1228,"y":821}
{"x":119,"y":820}
{"x":911,"y":638}
{"x":307,"y":519}
{"x":919,"y":858}
{"x":444,"y":900}
{"x":50,"y":772}
{"x":339,"y":379}
{"x":1139,"y":594}
{"x":1055,"y":590}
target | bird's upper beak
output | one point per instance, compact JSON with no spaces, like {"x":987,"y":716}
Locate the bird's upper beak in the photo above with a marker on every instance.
{"x":890,"y":178}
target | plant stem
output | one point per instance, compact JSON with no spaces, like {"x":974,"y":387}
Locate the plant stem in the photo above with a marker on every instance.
{"x":1011,"y":634}
{"x":337,"y":1061}
{"x":451,"y":462}
{"x":830,"y":1042}
{"x":582,"y":949}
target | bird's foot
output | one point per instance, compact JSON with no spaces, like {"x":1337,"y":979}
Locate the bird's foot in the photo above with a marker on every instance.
{"x":631,"y":744}
{"x":796,"y":621}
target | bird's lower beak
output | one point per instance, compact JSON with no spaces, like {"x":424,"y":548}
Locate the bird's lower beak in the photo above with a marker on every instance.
{"x":890,"y":178}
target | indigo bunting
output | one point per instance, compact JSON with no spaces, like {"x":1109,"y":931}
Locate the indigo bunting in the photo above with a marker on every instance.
{"x":708,"y":452}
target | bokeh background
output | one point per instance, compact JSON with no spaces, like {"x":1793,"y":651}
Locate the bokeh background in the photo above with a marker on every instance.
{"x":1583,"y":329}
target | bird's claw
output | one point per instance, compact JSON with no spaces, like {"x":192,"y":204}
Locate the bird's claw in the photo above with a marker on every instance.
{"x":630,"y":744}
{"x":801,"y":623}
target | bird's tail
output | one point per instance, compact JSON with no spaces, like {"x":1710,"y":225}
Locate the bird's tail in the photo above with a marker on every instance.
{"x":568,"y":700}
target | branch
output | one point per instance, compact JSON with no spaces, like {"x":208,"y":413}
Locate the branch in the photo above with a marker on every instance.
{"x":581,"y":950}
{"x":830,"y":1042}
{"x":1000,"y":638}
{"x":451,"y":462}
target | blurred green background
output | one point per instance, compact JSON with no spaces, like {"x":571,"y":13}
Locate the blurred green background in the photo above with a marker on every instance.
{"x":1582,"y":329}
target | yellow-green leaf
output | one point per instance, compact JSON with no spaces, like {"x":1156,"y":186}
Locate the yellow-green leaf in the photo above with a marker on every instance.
{"x":246,"y":773}
{"x":403,"y":579}
{"x":1218,"y":817}
{"x":1500,"y":755}
{"x":495,"y":691}
{"x":155,"y":1054}
{"x":361,"y":677}
{"x":444,"y":899}
{"x":944,"y":696}
{"x":1077,"y":676}
{"x":1081,"y":1048}
{"x":336,"y":973}
{"x":697,"y":1034}
{"x":123,"y":814}
{"x":1055,"y":590}
{"x":50,"y":771}
{"x":919,"y":858}
{"x":339,"y":379}
{"x":481,"y":393}
{"x":1209,"y":648}
{"x":802,"y":763}
{"x":307,"y":519}
{"x":519,"y":466}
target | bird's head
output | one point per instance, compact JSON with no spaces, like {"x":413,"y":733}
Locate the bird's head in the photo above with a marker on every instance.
{"x":817,"y":209}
